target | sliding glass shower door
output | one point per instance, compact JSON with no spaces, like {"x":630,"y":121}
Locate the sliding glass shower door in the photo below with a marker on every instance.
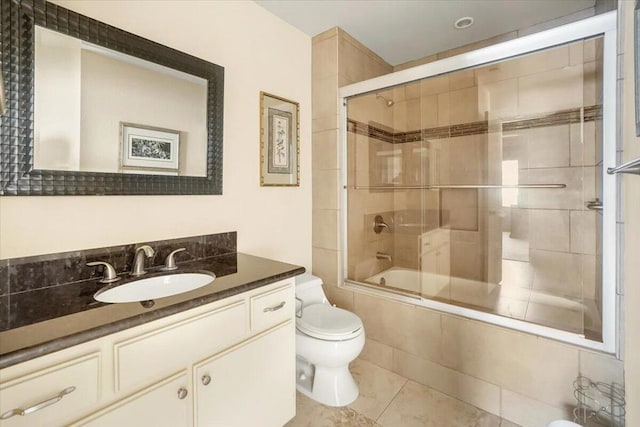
{"x":482,"y":188}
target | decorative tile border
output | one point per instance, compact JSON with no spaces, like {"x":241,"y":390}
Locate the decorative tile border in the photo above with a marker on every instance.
{"x":576,"y":115}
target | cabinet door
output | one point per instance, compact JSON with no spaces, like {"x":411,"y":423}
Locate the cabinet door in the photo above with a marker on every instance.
{"x":162,"y":404}
{"x":250,"y":385}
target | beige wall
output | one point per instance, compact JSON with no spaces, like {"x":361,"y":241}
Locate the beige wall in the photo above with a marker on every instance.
{"x":521,"y":377}
{"x":631,"y":198}
{"x":259,"y":52}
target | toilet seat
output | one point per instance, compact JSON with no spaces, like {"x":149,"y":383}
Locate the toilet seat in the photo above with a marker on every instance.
{"x":329,"y":323}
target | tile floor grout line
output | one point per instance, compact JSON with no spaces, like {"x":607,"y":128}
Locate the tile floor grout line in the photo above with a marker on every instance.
{"x":406,"y":380}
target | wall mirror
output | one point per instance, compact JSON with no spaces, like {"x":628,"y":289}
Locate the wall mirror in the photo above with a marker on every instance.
{"x":92,"y":109}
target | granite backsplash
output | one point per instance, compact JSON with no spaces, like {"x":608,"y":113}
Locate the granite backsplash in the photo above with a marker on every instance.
{"x":25,"y":281}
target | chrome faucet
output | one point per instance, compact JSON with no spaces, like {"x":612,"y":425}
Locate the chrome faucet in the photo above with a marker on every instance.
{"x":142,"y":252}
{"x":382,"y":255}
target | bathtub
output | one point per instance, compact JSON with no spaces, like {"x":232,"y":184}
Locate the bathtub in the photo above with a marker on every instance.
{"x":416,"y":282}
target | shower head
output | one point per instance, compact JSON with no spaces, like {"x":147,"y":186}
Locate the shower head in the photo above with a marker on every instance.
{"x":388,"y":102}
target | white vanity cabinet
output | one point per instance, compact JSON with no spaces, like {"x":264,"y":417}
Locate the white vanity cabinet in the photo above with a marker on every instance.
{"x":228,"y":363}
{"x":250,"y":385}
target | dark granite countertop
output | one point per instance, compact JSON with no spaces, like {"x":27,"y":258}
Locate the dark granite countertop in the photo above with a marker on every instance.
{"x":67,"y":315}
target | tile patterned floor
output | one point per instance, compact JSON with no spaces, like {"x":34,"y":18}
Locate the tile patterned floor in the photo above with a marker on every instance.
{"x":390,"y":400}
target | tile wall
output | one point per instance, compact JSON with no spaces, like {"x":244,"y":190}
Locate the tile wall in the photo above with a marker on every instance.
{"x":337,"y":60}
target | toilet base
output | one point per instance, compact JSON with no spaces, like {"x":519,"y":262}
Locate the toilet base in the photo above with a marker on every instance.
{"x":331,"y":386}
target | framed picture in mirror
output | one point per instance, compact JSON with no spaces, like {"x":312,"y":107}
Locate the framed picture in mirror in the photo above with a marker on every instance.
{"x":279,"y":141}
{"x":149,"y":149}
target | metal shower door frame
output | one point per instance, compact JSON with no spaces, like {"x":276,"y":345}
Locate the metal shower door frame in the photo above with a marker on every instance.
{"x":601,"y":25}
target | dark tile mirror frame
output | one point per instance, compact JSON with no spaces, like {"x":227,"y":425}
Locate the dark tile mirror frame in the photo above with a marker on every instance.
{"x":636,"y":45}
{"x":18,"y":177}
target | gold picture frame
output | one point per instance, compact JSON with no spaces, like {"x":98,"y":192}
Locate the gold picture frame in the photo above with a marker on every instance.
{"x":279,"y":141}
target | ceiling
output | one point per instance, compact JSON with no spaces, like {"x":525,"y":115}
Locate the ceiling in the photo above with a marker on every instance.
{"x":403,"y":30}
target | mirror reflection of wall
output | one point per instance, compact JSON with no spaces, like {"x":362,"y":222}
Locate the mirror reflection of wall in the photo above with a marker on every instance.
{"x":83,"y":95}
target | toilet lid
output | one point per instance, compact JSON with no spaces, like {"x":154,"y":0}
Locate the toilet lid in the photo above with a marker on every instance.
{"x":329,"y":323}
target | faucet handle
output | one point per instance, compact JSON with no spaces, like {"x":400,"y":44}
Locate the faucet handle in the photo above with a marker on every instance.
{"x":109,"y":274}
{"x":170,"y":262}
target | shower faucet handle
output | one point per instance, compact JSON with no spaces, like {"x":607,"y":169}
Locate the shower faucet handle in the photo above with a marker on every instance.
{"x":379,"y":224}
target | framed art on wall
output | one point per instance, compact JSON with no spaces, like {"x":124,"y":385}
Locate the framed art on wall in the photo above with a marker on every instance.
{"x":279,"y":141}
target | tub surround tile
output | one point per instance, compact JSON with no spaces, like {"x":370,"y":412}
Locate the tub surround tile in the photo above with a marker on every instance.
{"x":481,"y":394}
{"x":325,"y":228}
{"x":324,"y":57}
{"x":512,"y":360}
{"x":325,"y":189}
{"x":528,"y":412}
{"x":406,"y":327}
{"x":325,"y":265}
{"x":338,"y":296}
{"x":378,"y":354}
{"x":549,"y":229}
{"x":601,"y":367}
{"x":325,"y":151}
{"x":583,"y":232}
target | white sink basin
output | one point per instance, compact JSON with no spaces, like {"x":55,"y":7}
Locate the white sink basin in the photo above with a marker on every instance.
{"x":154,"y":287}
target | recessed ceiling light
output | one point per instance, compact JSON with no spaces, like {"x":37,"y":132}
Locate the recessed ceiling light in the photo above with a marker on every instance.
{"x":463,"y":23}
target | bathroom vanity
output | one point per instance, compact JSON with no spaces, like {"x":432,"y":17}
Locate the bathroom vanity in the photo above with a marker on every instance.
{"x":207,"y":357}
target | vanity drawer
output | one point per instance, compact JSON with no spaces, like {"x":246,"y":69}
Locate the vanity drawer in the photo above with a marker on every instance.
{"x":272,"y":308}
{"x":143,"y":359}
{"x":40,"y":390}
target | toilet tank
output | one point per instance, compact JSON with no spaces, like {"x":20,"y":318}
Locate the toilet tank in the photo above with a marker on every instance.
{"x":309,"y":289}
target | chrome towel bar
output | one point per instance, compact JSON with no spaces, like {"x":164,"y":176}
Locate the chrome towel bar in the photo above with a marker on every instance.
{"x":463,"y":186}
{"x":632,"y":166}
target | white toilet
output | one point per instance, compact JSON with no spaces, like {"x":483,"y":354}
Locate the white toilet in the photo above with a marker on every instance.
{"x":327,"y":340}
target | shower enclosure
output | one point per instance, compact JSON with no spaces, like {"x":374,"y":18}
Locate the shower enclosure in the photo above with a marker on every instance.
{"x":475,"y":184}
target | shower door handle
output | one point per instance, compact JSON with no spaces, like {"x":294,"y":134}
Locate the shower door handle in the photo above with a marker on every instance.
{"x":594,"y":205}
